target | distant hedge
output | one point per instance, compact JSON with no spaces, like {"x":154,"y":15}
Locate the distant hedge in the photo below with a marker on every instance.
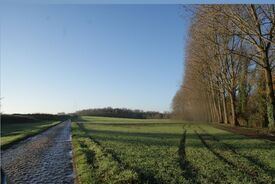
{"x":27,"y":118}
{"x":122,"y":113}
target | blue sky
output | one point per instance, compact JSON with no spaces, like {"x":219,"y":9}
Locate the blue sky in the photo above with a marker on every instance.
{"x":62,"y":58}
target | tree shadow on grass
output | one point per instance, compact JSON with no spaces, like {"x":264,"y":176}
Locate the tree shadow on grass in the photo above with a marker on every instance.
{"x":253,"y":174}
{"x":166,"y":139}
{"x":161,"y":139}
{"x":251,"y":159}
{"x":145,"y":176}
{"x":188,"y":171}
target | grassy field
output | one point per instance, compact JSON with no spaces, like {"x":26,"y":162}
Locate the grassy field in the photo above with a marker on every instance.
{"x":118,"y":150}
{"x":13,"y":132}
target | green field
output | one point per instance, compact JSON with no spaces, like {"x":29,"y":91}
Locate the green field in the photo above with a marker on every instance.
{"x":13,"y":132}
{"x":118,"y":150}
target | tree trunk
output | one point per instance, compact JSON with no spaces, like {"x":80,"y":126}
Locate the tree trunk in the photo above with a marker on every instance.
{"x":215,"y":109}
{"x":243,"y":87}
{"x":270,"y":97}
{"x":219,"y":109}
{"x":225,"y":119}
{"x":208,"y":113}
{"x":233,"y":110}
{"x":211,"y":112}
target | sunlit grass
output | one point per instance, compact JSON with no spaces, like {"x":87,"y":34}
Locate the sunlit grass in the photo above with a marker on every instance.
{"x":158,"y":151}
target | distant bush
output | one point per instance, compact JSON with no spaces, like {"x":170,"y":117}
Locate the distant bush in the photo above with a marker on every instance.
{"x":17,"y":118}
{"x":122,"y":113}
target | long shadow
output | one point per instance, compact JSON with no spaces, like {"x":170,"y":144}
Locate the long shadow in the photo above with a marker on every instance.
{"x":244,"y":170}
{"x":134,"y":134}
{"x":157,"y":138}
{"x":251,"y":159}
{"x":146,"y":142}
{"x":185,"y":166}
{"x":131,"y":138}
{"x":135,"y":124}
{"x":188,"y":171}
{"x":144,"y":176}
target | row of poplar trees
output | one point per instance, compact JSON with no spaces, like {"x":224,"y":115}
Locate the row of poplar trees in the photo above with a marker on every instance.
{"x":229,"y":66}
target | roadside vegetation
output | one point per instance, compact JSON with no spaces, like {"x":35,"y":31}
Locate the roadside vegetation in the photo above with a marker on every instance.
{"x":107,"y":150}
{"x":15,"y":128}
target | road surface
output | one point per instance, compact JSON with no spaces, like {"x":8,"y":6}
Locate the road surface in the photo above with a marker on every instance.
{"x":44,"y":158}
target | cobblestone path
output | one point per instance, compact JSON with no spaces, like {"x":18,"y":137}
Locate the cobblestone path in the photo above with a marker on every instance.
{"x":44,"y":158}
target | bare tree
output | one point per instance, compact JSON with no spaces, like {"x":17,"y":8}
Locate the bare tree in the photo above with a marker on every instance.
{"x":224,"y":41}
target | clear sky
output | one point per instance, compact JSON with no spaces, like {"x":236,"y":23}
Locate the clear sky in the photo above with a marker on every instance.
{"x":62,"y":58}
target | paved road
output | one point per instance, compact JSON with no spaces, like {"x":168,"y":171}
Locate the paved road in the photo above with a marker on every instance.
{"x":44,"y":158}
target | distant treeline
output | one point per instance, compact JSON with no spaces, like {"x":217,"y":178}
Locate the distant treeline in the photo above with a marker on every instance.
{"x":229,"y":66}
{"x":27,"y":118}
{"x":122,"y":113}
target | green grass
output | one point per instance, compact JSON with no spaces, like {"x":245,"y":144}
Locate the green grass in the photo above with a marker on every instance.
{"x":17,"y":131}
{"x":119,"y":150}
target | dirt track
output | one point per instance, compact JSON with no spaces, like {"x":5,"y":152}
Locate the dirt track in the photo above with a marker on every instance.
{"x":44,"y":158}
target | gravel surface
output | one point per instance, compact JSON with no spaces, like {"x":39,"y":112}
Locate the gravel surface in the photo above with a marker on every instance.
{"x":44,"y":158}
